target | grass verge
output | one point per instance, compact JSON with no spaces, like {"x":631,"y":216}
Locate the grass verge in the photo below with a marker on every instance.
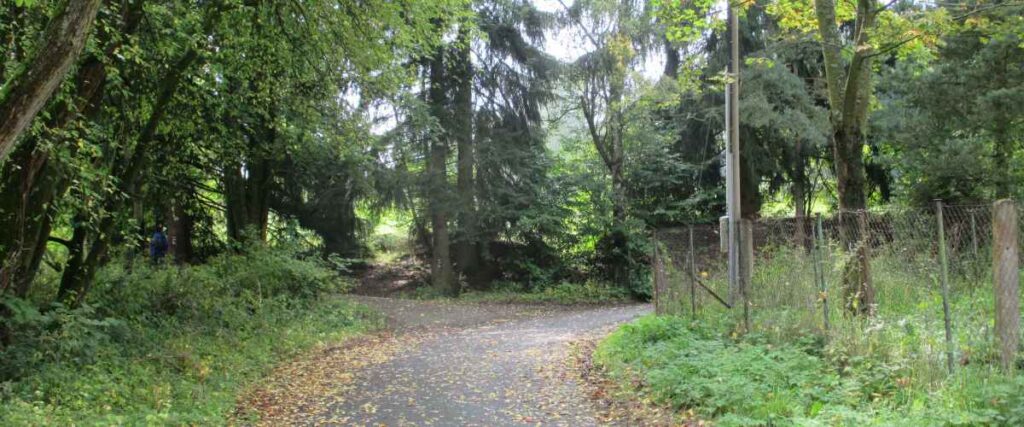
{"x":171,"y":375}
{"x":168,"y":345}
{"x":749,"y":381}
{"x":514,"y":293}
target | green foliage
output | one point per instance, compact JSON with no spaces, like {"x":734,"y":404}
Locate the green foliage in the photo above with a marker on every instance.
{"x":748,"y":381}
{"x":562,"y":293}
{"x":243,"y":121}
{"x":196,"y":294}
{"x":622,"y":257}
{"x":56,"y":335}
{"x":168,"y":345}
{"x":960,"y":106}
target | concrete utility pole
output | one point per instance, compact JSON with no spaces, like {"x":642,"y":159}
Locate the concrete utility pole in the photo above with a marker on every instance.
{"x":734,"y":210}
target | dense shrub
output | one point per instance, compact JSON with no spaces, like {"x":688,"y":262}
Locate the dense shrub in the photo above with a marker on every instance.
{"x":54,"y":335}
{"x":167,"y":345}
{"x":621,"y":257}
{"x":228,"y":287}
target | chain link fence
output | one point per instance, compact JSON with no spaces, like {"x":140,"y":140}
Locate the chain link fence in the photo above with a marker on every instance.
{"x":914,"y":283}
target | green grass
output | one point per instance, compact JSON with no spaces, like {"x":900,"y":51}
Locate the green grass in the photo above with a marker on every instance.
{"x":749,"y":381}
{"x":170,"y":345}
{"x":789,"y":370}
{"x":514,"y":293}
{"x":169,"y":374}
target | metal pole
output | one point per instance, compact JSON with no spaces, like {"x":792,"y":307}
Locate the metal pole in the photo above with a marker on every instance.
{"x":693,"y":278}
{"x":731,"y":202}
{"x":945,"y":285}
{"x":822,"y":285}
{"x":815,"y":259}
{"x":733,"y":156}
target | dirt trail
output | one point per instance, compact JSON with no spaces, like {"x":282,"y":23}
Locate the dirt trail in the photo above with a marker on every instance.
{"x":458,"y":364}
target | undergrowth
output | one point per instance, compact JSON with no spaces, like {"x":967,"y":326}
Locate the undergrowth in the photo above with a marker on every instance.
{"x":751,"y":381}
{"x":516,"y":293}
{"x":168,"y":345}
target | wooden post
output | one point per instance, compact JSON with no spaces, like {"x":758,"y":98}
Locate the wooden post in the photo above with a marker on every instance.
{"x":1006,"y":275}
{"x":944,"y":265}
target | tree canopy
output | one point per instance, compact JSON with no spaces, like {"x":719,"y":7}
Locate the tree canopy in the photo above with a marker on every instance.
{"x":535,"y":142}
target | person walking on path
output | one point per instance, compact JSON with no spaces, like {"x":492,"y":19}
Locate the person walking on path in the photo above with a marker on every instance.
{"x":158,"y":245}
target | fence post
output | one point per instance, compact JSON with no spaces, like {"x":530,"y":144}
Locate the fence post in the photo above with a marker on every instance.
{"x":974,"y":235}
{"x":815,"y":259}
{"x":944,"y":274}
{"x":866,"y":287}
{"x":819,"y":246}
{"x":746,"y":267}
{"x":1005,"y":274}
{"x":659,"y":273}
{"x":693,"y":278}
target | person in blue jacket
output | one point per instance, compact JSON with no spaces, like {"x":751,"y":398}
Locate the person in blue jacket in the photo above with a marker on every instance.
{"x":158,"y":245}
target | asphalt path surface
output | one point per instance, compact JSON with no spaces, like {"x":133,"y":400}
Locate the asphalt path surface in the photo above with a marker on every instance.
{"x":460,"y":364}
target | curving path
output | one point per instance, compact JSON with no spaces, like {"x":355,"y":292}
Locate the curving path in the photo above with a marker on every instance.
{"x":458,"y":364}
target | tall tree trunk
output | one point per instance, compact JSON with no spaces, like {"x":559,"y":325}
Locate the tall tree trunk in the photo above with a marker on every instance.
{"x":672,"y":59}
{"x":849,"y":93}
{"x":74,"y":267}
{"x":25,"y":221}
{"x":247,"y":199}
{"x":614,"y":161}
{"x":441,"y":272}
{"x":467,"y":242}
{"x":180,"y":227}
{"x":616,"y":152}
{"x":62,"y":42}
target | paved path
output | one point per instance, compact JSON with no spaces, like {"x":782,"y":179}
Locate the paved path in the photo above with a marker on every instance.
{"x":475,"y":365}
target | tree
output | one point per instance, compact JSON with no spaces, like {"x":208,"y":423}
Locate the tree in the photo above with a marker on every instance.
{"x":40,"y":175}
{"x":157,"y":107}
{"x":928,"y":135}
{"x":442,"y":275}
{"x":512,"y":79}
{"x":849,"y":97}
{"x":850,"y":89}
{"x":28,"y":91}
{"x":619,"y":35}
